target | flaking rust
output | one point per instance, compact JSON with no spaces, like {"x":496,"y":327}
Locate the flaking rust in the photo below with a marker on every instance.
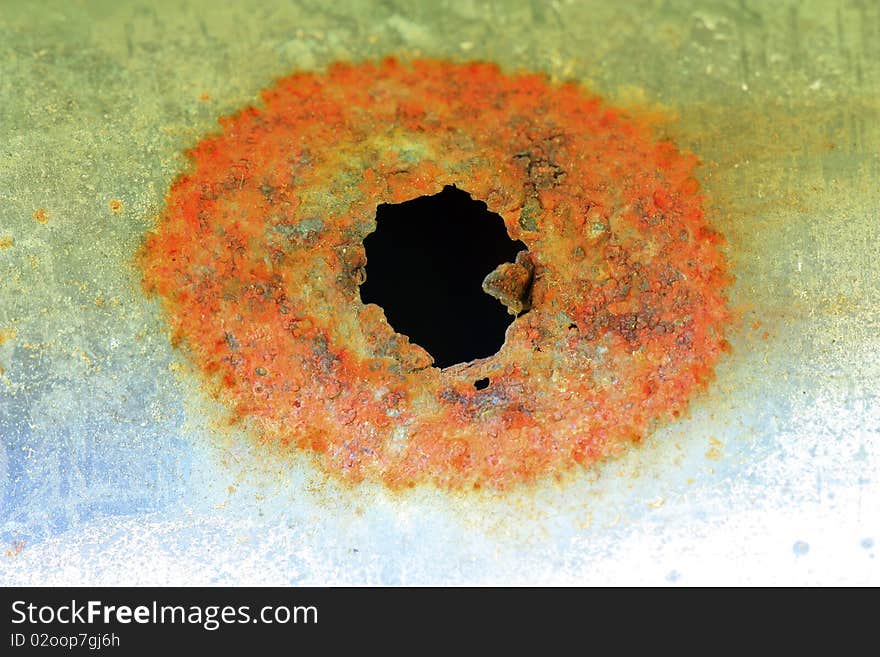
{"x":511,"y":283}
{"x":619,"y":302}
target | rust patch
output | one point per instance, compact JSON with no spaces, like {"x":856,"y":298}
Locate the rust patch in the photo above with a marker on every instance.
{"x":40,"y":216}
{"x":258,"y":256}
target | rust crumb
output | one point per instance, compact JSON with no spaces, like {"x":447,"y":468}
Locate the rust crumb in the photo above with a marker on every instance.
{"x":6,"y":242}
{"x":510,"y":283}
{"x":756,"y":325}
{"x":715,"y":453}
{"x":16,"y":549}
{"x":205,"y":97}
{"x":40,"y":216}
{"x":7,"y":334}
{"x":115,"y":206}
{"x":765,"y":335}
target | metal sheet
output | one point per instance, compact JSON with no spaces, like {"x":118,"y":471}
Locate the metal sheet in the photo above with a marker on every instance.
{"x":114,"y":468}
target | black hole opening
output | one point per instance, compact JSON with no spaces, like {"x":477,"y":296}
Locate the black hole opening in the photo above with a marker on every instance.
{"x":481,"y":384}
{"x":426,"y":263}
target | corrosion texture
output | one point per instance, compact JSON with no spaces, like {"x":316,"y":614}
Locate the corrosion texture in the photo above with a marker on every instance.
{"x":258,"y":257}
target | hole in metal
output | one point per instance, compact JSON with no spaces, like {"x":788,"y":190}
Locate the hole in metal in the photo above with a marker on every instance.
{"x":426,"y":263}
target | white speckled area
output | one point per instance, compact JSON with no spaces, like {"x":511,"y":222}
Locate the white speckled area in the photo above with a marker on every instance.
{"x":116,"y":469}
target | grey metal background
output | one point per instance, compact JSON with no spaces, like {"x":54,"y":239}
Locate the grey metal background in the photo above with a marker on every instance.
{"x":114,"y":469}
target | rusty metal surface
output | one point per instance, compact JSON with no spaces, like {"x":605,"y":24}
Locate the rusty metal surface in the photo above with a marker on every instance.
{"x":114,"y":468}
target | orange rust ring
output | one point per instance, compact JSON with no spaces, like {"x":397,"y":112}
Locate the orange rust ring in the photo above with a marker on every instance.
{"x":259,"y":254}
